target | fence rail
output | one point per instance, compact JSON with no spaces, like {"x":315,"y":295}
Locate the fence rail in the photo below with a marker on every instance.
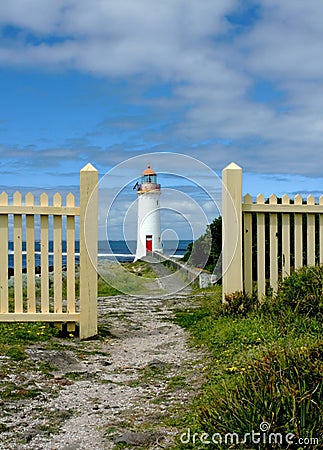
{"x":57,"y":221}
{"x":271,"y":237}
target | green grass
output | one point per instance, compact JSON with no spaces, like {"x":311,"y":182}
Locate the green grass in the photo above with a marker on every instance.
{"x":129,"y":278}
{"x":15,"y":336}
{"x":264,"y":364}
{"x":117,"y":278}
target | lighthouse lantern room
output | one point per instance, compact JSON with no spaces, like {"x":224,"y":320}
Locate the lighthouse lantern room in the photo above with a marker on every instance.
{"x":149,"y":229}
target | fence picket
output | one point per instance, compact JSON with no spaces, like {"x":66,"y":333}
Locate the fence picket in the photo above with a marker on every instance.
{"x":247,"y":272}
{"x":285,"y":239}
{"x":30,"y":257}
{"x":27,"y":308}
{"x":298,"y":234}
{"x":310,"y":234}
{"x":4,"y":259}
{"x":57,"y":201}
{"x":273,"y":243}
{"x":17,"y":246}
{"x":70,"y":260}
{"x":44,"y":256}
{"x":261,"y":280}
{"x":88,"y":250}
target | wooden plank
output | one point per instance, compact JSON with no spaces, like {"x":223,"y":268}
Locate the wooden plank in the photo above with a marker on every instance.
{"x":299,"y":208}
{"x":44,"y":257}
{"x":4,"y":256}
{"x":30,"y":257}
{"x":70,"y":249}
{"x":285,"y":239}
{"x":321,"y":232}
{"x":70,"y":327}
{"x":261,"y":280}
{"x":298,"y":235}
{"x":17,"y":243}
{"x":310,"y":234}
{"x":247,"y":247}
{"x":273,"y":245}
{"x":57,"y":257}
{"x":47,"y":210}
{"x":89,"y":251}
{"x":39,"y":317}
{"x":232,"y":267}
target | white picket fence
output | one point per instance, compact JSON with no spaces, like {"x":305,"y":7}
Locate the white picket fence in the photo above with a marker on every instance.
{"x":293,"y":236}
{"x":18,"y":220}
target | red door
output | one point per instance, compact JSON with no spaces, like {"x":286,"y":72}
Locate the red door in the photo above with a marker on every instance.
{"x":149,"y":243}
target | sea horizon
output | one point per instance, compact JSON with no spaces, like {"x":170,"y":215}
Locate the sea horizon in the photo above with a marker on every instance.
{"x":114,"y":250}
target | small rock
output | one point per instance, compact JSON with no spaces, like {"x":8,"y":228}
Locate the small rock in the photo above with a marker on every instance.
{"x":157,"y":364}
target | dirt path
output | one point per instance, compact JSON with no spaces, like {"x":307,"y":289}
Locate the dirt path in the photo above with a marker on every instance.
{"x":123,"y":388}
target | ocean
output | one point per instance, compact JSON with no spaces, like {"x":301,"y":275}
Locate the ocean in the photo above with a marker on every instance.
{"x":112,"y":250}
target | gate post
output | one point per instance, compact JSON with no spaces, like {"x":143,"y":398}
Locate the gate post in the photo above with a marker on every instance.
{"x":231,"y":230}
{"x":88,"y":251}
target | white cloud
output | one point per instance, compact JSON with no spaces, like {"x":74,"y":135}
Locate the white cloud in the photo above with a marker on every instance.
{"x":192,"y":45}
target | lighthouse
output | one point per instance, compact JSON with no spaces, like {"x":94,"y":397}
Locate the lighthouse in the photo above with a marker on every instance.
{"x":149,"y":230}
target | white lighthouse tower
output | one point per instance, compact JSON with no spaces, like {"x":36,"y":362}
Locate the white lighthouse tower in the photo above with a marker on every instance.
{"x":149,"y":230}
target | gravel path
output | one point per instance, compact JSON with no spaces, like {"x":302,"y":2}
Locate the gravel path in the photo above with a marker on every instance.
{"x":96,"y":394}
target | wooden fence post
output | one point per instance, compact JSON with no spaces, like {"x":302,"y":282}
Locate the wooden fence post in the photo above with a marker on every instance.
{"x":231,"y":229}
{"x":88,"y":251}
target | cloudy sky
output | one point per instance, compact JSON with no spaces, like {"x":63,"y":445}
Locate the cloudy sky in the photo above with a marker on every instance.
{"x":103,"y":81}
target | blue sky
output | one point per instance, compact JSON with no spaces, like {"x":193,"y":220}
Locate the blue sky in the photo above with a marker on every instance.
{"x":103,"y":81}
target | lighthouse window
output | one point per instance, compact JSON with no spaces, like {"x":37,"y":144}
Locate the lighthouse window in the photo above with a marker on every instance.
{"x":157,"y":202}
{"x":149,"y":179}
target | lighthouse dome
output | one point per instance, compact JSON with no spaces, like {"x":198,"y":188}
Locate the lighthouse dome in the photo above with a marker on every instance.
{"x":148,"y":171}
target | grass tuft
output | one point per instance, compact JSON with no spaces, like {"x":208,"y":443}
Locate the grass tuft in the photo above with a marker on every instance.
{"x":264,"y":363}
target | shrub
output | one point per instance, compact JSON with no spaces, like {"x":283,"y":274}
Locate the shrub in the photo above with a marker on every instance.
{"x":238,"y":303}
{"x":284,"y":389}
{"x":303,"y":291}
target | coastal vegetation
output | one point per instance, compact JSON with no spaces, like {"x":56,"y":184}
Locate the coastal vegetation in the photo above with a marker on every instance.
{"x":206,"y":250}
{"x":117,"y":274}
{"x":263,"y":363}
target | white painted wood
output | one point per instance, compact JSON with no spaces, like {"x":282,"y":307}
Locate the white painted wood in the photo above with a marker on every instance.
{"x":58,"y":285}
{"x":17,"y":243}
{"x":30,"y":256}
{"x":70,"y":327}
{"x":39,"y":317}
{"x":4,"y":256}
{"x":49,"y":210}
{"x":321,"y":231}
{"x":298,"y":235}
{"x":89,"y":207}
{"x":88,"y":251}
{"x":310,"y":234}
{"x":232,"y":279}
{"x":261,"y":279}
{"x":44,"y":256}
{"x":299,"y":208}
{"x":70,"y":260}
{"x":247,"y":247}
{"x":273,"y":245}
{"x":285,"y":239}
